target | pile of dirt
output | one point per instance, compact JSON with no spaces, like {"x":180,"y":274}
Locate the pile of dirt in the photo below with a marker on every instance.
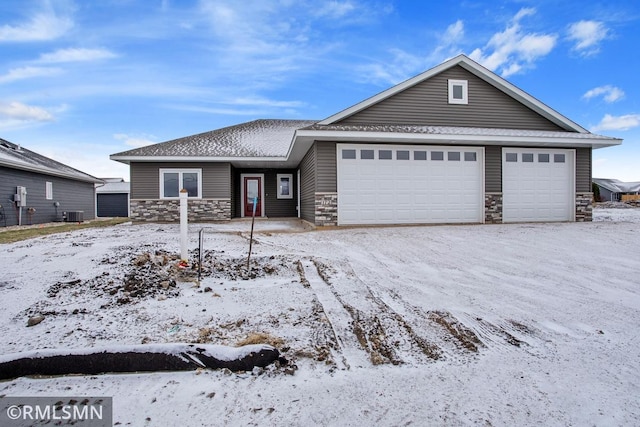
{"x":216,"y":264}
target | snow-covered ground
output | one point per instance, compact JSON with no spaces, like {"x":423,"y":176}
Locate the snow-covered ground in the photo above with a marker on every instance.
{"x":522,"y":324}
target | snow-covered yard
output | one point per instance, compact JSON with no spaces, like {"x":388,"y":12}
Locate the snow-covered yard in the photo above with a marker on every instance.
{"x":526,"y":324}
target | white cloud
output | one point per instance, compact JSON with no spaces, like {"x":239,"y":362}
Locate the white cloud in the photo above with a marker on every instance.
{"x":514,"y":50}
{"x":28,"y":73}
{"x":391,"y":71}
{"x":609,"y":122}
{"x":136,"y":140}
{"x":264,"y":102}
{"x":26,"y":113}
{"x":42,"y":26}
{"x":76,"y":55}
{"x":609,"y":93}
{"x":336,"y":9}
{"x":587,"y":36}
{"x":15,"y":115}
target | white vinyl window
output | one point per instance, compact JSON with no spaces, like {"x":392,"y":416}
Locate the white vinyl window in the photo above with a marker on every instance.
{"x":285,"y":186}
{"x":48,"y":190}
{"x":458,"y":92}
{"x":174,"y":180}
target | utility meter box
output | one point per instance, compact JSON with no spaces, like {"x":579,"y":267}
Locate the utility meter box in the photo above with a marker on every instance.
{"x":21,"y":196}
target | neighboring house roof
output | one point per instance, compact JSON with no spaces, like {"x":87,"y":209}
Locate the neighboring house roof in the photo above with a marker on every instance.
{"x":16,"y":157}
{"x":616,"y":186}
{"x":283,"y":143}
{"x":113,"y":187}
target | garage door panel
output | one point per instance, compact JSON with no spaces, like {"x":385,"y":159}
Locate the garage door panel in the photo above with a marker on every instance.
{"x":413,"y":190}
{"x":538,"y":190}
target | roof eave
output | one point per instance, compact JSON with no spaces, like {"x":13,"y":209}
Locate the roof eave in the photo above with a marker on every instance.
{"x":51,"y":172}
{"x":421,"y":138}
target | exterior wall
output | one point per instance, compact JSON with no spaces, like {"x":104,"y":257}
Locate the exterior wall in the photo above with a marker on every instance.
{"x":72,"y":196}
{"x":326,"y":209}
{"x":308,"y":185}
{"x":493,"y":208}
{"x":145,"y":179}
{"x":146,"y":204}
{"x":200,"y":210}
{"x":427,"y":104}
{"x":274,"y":207}
{"x":583,"y":170}
{"x":493,"y":169}
{"x":584,"y":207}
{"x":319,"y":184}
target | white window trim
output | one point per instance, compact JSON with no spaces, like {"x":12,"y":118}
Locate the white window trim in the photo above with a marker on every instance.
{"x":465,"y":91}
{"x":48,"y":190}
{"x":290,"y":177}
{"x":180,"y":171}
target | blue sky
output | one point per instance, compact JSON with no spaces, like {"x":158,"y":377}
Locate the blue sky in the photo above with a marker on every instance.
{"x":83,"y":79}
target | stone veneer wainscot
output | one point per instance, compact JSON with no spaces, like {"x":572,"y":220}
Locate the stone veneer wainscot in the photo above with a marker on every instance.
{"x":200,"y":210}
{"x":326,"y":209}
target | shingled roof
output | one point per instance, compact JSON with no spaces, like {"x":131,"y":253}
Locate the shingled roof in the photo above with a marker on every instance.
{"x":16,"y":157}
{"x":258,"y":138}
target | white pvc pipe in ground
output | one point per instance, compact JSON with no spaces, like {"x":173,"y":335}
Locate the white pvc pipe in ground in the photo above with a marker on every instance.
{"x":184,"y":226}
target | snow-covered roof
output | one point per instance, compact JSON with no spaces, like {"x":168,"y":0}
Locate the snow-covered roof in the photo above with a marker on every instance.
{"x":113,"y":187}
{"x":617,"y":186}
{"x":16,"y":157}
{"x":256,"y":139}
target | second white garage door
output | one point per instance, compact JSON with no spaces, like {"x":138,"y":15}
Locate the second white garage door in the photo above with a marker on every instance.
{"x":538,"y":184}
{"x":392,"y":184}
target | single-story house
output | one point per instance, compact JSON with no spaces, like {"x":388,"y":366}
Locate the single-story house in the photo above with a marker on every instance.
{"x":614,"y":190}
{"x":112,"y":198}
{"x":35,"y":189}
{"x":455,"y":144}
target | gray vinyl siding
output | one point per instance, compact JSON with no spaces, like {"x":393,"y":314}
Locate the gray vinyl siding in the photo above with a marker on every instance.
{"x":583,"y":170}
{"x":326,"y":167}
{"x":427,"y":103}
{"x":274,"y":207}
{"x":308,"y":185}
{"x":145,"y":179}
{"x":72,"y":196}
{"x":492,"y":169}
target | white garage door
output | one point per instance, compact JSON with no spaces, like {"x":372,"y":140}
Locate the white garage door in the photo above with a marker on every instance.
{"x":538,"y":184}
{"x":393,"y":184}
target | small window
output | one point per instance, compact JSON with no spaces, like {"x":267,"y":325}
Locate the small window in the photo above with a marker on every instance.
{"x":511,"y":157}
{"x":558,"y":158}
{"x":366,"y":154}
{"x":285,"y":186}
{"x":385,"y":154}
{"x":174,"y":180}
{"x":453,"y":156}
{"x":470,"y":156}
{"x":458,"y":92}
{"x":527,"y":157}
{"x":543,"y":158}
{"x":437,"y":155}
{"x":48,"y":190}
{"x":402,"y":155}
{"x":419,"y":155}
{"x":348,"y":154}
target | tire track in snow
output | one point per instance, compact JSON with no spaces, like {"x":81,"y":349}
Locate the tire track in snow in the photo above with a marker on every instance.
{"x":338,"y":317}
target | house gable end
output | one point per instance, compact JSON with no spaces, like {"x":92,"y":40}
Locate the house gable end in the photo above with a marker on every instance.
{"x":427,"y":103}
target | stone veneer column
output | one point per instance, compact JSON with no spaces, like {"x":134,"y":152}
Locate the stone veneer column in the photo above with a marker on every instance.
{"x":493,"y":208}
{"x":584,"y":207}
{"x":200,"y":210}
{"x":326,"y":209}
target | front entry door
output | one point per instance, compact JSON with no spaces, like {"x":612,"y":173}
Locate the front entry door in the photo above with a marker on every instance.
{"x":252,"y":191}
